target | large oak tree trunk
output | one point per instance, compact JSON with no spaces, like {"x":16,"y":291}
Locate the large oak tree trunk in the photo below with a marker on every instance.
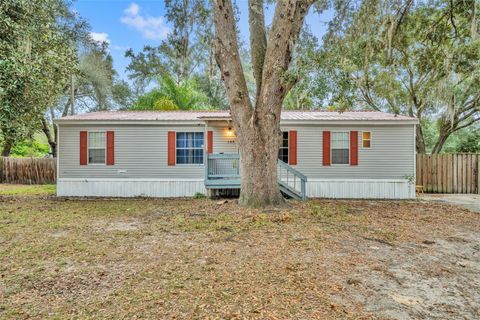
{"x":258,"y":125}
{"x":258,"y":147}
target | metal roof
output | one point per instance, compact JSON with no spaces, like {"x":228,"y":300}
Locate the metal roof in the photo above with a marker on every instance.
{"x":203,"y":115}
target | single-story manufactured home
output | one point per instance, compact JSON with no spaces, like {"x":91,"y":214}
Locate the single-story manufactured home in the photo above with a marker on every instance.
{"x":354,"y":154}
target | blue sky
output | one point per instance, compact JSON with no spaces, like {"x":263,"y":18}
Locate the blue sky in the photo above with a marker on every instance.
{"x":134,"y":24}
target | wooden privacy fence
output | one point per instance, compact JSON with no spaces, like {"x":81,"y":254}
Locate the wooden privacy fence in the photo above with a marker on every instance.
{"x":449,"y":173}
{"x":28,"y":170}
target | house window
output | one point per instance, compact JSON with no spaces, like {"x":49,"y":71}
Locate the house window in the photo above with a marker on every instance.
{"x":96,"y":147}
{"x":366,"y":139}
{"x":189,"y":147}
{"x":283,"y":151}
{"x":340,"y":147}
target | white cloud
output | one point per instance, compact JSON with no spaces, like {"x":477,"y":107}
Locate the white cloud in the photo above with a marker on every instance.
{"x":150,"y":27}
{"x":100,"y":37}
{"x":133,"y":10}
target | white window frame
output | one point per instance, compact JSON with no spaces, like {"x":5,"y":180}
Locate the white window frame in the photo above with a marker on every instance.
{"x":194,"y":148}
{"x":88,"y":148}
{"x":370,"y":139}
{"x":331,"y":149}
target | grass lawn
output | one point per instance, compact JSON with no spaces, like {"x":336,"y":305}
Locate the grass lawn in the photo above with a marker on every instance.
{"x":199,"y":258}
{"x":26,"y":190}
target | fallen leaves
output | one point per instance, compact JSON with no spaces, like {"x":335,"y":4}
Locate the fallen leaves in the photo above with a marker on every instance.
{"x":185,"y":258}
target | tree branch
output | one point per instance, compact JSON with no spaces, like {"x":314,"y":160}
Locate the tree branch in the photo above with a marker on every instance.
{"x":228,"y":59}
{"x":51,"y":139}
{"x":367,"y":96}
{"x":452,"y":19}
{"x":258,"y":39}
{"x":467,"y":124}
{"x":287,"y":23}
{"x":402,"y":13}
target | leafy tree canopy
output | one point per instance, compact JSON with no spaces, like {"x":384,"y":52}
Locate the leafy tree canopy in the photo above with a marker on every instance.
{"x":186,"y":55}
{"x":37,"y":55}
{"x":416,"y":58}
{"x":172,"y":96}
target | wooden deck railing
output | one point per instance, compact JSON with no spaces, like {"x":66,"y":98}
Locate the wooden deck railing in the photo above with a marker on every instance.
{"x":223,"y":166}
{"x":291,"y":180}
{"x":223,"y":172}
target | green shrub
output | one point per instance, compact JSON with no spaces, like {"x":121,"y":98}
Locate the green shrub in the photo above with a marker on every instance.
{"x":30,"y":148}
{"x":199,"y":195}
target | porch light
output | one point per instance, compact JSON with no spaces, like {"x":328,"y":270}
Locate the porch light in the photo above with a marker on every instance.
{"x":230,"y":135}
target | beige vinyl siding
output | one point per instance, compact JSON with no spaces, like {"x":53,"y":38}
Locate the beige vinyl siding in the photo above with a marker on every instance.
{"x":391,"y":155}
{"x":222,"y":141}
{"x":140,"y":152}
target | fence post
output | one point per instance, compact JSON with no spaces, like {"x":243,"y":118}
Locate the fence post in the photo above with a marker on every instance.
{"x":455,"y":173}
{"x":1,"y":169}
{"x":478,"y":174}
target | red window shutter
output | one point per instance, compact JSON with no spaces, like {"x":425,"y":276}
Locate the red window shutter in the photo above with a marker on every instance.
{"x":171,"y":148}
{"x":353,"y":148}
{"x":110,"y":148}
{"x":326,"y":148}
{"x":210,"y":141}
{"x":292,"y":147}
{"x":83,"y":148}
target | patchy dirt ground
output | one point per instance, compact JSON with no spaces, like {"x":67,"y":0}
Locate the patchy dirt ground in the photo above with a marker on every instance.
{"x":189,"y":259}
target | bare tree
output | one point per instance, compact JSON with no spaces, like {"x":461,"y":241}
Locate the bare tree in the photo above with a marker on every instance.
{"x":257,"y":123}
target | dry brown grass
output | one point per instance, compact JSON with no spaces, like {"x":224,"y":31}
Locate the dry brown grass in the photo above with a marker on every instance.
{"x":189,"y":258}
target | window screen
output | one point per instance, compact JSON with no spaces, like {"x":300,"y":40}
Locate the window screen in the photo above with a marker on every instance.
{"x":283,"y":151}
{"x":340,"y":148}
{"x":96,"y":147}
{"x":189,"y":147}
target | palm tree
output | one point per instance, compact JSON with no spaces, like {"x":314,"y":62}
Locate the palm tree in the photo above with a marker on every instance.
{"x":184,"y":94}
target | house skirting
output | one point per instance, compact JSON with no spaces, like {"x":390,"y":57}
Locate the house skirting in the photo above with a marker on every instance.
{"x":166,"y":188}
{"x":360,"y":188}
{"x":159,"y":188}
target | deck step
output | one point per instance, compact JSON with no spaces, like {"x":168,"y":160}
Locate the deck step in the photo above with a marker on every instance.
{"x":223,"y":172}
{"x":290,"y":192}
{"x":222,"y":184}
